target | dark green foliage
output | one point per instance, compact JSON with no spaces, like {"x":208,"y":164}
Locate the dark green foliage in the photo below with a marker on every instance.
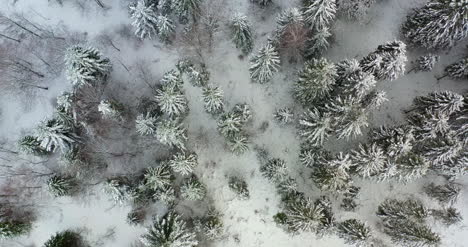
{"x":354,"y":231}
{"x":31,"y":145}
{"x":410,"y":233}
{"x":64,"y":239}
{"x":61,"y":186}
{"x":402,"y":209}
{"x":448,"y":216}
{"x":239,"y":186}
{"x":10,"y":229}
{"x":446,"y":193}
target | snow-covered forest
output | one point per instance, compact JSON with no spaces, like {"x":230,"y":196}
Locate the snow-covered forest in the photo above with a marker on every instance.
{"x":247,"y":123}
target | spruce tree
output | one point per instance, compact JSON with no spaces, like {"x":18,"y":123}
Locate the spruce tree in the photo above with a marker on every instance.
{"x":284,"y":115}
{"x":54,"y":134}
{"x":448,"y":216}
{"x":64,"y":239}
{"x":409,"y":209}
{"x":369,"y":160}
{"x":239,"y":186}
{"x":164,"y":28}
{"x":241,"y":32}
{"x":387,"y":62}
{"x":210,"y":225}
{"x":264,"y":64}
{"x":303,"y":215}
{"x":411,"y":166}
{"x":315,"y":127}
{"x":426,"y":63}
{"x":311,"y":157}
{"x":319,"y":13}
{"x":186,"y":9}
{"x":144,"y":18}
{"x":445,"y":102}
{"x":408,"y":233}
{"x":274,"y":170}
{"x":169,"y":231}
{"x":171,"y":100}
{"x":172,"y":133}
{"x":355,"y":9}
{"x":437,"y":25}
{"x":120,"y":190}
{"x":183,"y":163}
{"x":243,"y":111}
{"x":61,"y":185}
{"x":213,"y":99}
{"x":230,"y":124}
{"x":31,"y":145}
{"x":158,"y":177}
{"x":458,"y":70}
{"x":12,"y":228}
{"x":446,"y":193}
{"x":146,"y":124}
{"x":333,"y":175}
{"x":318,"y":43}
{"x":85,"y":65}
{"x":192,"y":189}
{"x":165,"y":194}
{"x":238,"y":144}
{"x":354,"y":231}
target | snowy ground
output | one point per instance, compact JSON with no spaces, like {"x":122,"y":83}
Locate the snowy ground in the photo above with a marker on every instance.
{"x":248,"y":221}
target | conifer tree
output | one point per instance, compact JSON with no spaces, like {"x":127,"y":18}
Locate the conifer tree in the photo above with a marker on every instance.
{"x":210,"y":225}
{"x":458,"y":70}
{"x":183,"y":163}
{"x":241,"y":32}
{"x":354,"y":231}
{"x":230,"y":124}
{"x":319,"y":13}
{"x":11,"y":229}
{"x":158,"y":177}
{"x":262,"y":2}
{"x":144,"y":18}
{"x":447,"y":216}
{"x":110,"y":109}
{"x":406,"y":232}
{"x":146,"y":124}
{"x":288,"y":19}
{"x":387,"y":62}
{"x":164,"y":27}
{"x":192,"y":189}
{"x":60,"y":185}
{"x":446,"y":193}
{"x":437,"y":25}
{"x":169,"y":231}
{"x":165,"y":194}
{"x":85,"y":65}
{"x":333,"y":175}
{"x":186,"y":9}
{"x":243,"y":111}
{"x":316,"y":81}
{"x":213,"y":99}
{"x":315,"y":127}
{"x":238,"y":144}
{"x":303,"y":215}
{"x":120,"y":189}
{"x":355,"y":9}
{"x":171,"y":100}
{"x":172,"y":133}
{"x":54,"y":134}
{"x":284,"y":115}
{"x":369,"y":160}
{"x":426,"y":63}
{"x":274,"y":170}
{"x":411,"y":166}
{"x":311,"y":157}
{"x":239,"y":186}
{"x":318,"y":43}
{"x":173,"y":78}
{"x":445,"y":102}
{"x":409,"y":209}
{"x":31,"y":145}
{"x":264,"y":64}
{"x":65,"y":238}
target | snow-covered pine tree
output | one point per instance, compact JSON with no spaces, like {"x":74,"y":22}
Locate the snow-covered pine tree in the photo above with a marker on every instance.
{"x":12,"y":228}
{"x":192,"y":189}
{"x":171,"y":100}
{"x":387,"y":62}
{"x":411,"y":166}
{"x":311,"y":157}
{"x":409,"y":209}
{"x":144,"y":18}
{"x":210,"y":225}
{"x":316,"y":81}
{"x":429,"y":125}
{"x":54,"y":134}
{"x":354,"y":231}
{"x":446,"y":102}
{"x":65,"y":238}
{"x":303,"y":215}
{"x":241,"y":32}
{"x":315,"y":127}
{"x":319,"y":13}
{"x":146,"y":124}
{"x":110,"y":109}
{"x":358,"y":83}
{"x":31,"y":145}
{"x":165,"y":194}
{"x":286,"y":186}
{"x":213,"y":99}
{"x":369,"y":160}
{"x":347,"y":68}
{"x":426,"y":62}
{"x":172,"y":133}
{"x":437,"y":25}
{"x":136,"y":216}
{"x":158,"y":177}
{"x":262,"y":2}
{"x":119,"y":189}
{"x":230,"y":124}
{"x":173,"y":78}
{"x":395,"y":141}
{"x":243,"y":111}
{"x":275,"y":170}
{"x":409,"y":233}
{"x":65,"y":101}
{"x":355,"y":9}
{"x":352,"y":123}
{"x":198,"y":76}
{"x":61,"y":185}
{"x":264,"y":64}
{"x":165,"y":28}
{"x":169,"y":231}
{"x":445,"y":194}
{"x":183,"y":163}
{"x":318,"y":43}
{"x":374,"y":100}
{"x":458,"y":70}
{"x":186,"y":9}
{"x":447,"y":216}
{"x":333,"y":175}
{"x":238,"y":143}
{"x":85,"y":65}
{"x":239,"y":186}
{"x":284,"y":115}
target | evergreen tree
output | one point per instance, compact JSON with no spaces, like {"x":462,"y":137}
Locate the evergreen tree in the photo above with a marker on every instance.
{"x":213,"y":99}
{"x":426,"y":63}
{"x":165,"y":194}
{"x":110,"y":109}
{"x":318,"y":43}
{"x":186,"y":8}
{"x":11,"y":229}
{"x":65,"y":101}
{"x":171,"y":100}
{"x":173,"y":78}
{"x":164,"y":27}
{"x":64,"y":239}
{"x":446,"y":193}
{"x":274,"y":170}
{"x":445,"y":102}
{"x":437,"y":25}
{"x":31,"y":145}
{"x":458,"y":70}
{"x":354,"y":231}
{"x":358,"y":83}
{"x":230,"y":124}
{"x":333,"y":175}
{"x":120,"y":190}
{"x":410,"y":233}
{"x":319,"y":13}
{"x":264,"y":64}
{"x":411,"y":166}
{"x":369,"y":160}
{"x":169,"y":231}
{"x":311,"y":157}
{"x":136,"y":217}
{"x":315,"y":127}
{"x":284,"y":115}
{"x":146,"y":124}
{"x":184,"y":163}
{"x":172,"y":133}
{"x":355,"y":9}
{"x":351,"y":124}
{"x":241,"y":32}
{"x":144,"y":18}
{"x":54,"y":134}
{"x":158,"y":177}
{"x":410,"y":209}
{"x":243,"y":111}
{"x":85,"y":66}
{"x":192,"y":189}
{"x":374,"y":99}
{"x":239,"y":186}
{"x":210,"y":225}
{"x":238,"y":144}
{"x":60,"y":185}
{"x":387,"y":62}
{"x":448,"y":216}
{"x":395,"y":141}
{"x":316,"y":81}
{"x":303,"y":215}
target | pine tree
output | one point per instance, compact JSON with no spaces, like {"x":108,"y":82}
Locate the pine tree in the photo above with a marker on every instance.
{"x":274,"y":170}
{"x":172,"y":133}
{"x":54,"y":134}
{"x":165,"y":194}
{"x":426,"y":63}
{"x":303,"y":215}
{"x":213,"y":99}
{"x":355,"y":9}
{"x":319,"y":13}
{"x":171,"y":100}
{"x":144,"y":18}
{"x":437,"y":25}
{"x":158,"y":177}
{"x":110,"y":109}
{"x":318,"y":43}
{"x":458,"y":70}
{"x":315,"y":127}
{"x":210,"y":225}
{"x":333,"y":175}
{"x":183,"y":163}
{"x":241,"y":32}
{"x":119,"y":189}
{"x":264,"y":64}
{"x":311,"y":157}
{"x":146,"y":124}
{"x":387,"y":62}
{"x":445,"y":102}
{"x":85,"y":66}
{"x":65,"y":238}
{"x":395,"y":141}
{"x":316,"y":81}
{"x":286,"y":186}
{"x":410,"y":233}
{"x":411,"y":166}
{"x":230,"y":124}
{"x":11,"y":229}
{"x":169,"y":231}
{"x":31,"y":145}
{"x":409,"y":209}
{"x":374,"y":100}
{"x":164,"y":28}
{"x":60,"y":185}
{"x":448,"y":216}
{"x":369,"y":160}
{"x":239,"y":186}
{"x":65,"y":101}
{"x":238,"y":144}
{"x":135,"y":217}
{"x":346,"y":69}
{"x":243,"y":111}
{"x":354,"y":231}
{"x":192,"y":189}
{"x":284,"y":115}
{"x":352,"y":123}
{"x":186,"y":8}
{"x":199,"y":77}
{"x":358,"y":83}
{"x":446,"y":193}
{"x":173,"y":78}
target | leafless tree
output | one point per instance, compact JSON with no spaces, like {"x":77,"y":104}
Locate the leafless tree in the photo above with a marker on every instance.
{"x":292,"y":40}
